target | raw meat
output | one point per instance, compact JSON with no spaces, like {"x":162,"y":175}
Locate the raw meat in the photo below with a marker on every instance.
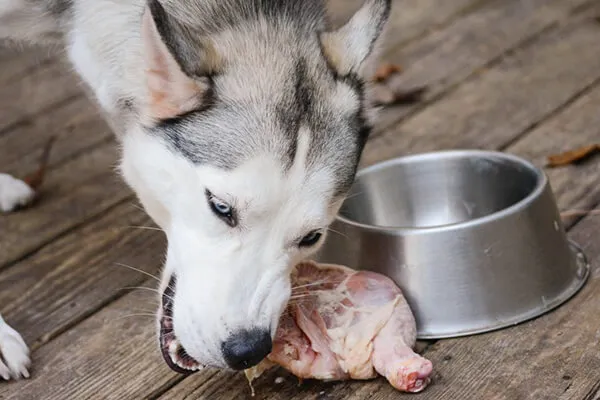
{"x":345,"y":324}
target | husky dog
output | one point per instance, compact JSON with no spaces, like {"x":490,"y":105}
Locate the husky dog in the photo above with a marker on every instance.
{"x":241,"y":125}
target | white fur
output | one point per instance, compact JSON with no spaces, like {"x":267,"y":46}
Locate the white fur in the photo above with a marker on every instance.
{"x":14,"y":193}
{"x":228,"y":278}
{"x":15,"y":361}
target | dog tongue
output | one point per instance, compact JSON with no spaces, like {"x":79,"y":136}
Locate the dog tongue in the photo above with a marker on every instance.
{"x":346,"y":324}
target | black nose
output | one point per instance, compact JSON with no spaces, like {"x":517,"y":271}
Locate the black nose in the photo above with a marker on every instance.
{"x":245,"y":349}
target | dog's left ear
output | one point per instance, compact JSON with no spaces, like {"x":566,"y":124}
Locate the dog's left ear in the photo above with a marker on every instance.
{"x":178,"y":66}
{"x":352,"y":49}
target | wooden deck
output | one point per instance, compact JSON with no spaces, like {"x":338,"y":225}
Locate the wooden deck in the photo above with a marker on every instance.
{"x":522,"y":76}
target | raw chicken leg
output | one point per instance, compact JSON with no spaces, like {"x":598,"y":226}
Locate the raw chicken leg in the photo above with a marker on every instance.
{"x":345,"y":324}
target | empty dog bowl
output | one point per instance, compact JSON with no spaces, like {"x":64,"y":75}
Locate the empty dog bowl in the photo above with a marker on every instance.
{"x":473,"y":238}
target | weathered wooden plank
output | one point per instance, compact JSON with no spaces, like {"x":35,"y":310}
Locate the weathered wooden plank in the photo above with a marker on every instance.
{"x":593,"y":394}
{"x":17,"y":60}
{"x":78,"y":273}
{"x":552,"y":357}
{"x":542,"y":358}
{"x":497,"y":106}
{"x":229,"y":386}
{"x":109,"y":356}
{"x":47,"y":359}
{"x":74,"y":192}
{"x":52,"y":82}
{"x":576,"y":187}
{"x":581,"y":118}
{"x":409,"y":19}
{"x":76,"y":125}
{"x":39,"y":90}
{"x":447,"y":57}
{"x":276,"y":384}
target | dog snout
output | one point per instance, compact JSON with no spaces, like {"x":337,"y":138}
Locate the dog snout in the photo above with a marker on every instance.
{"x":246,"y":348}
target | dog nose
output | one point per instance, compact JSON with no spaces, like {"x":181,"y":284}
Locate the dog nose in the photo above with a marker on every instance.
{"x":246,"y":348}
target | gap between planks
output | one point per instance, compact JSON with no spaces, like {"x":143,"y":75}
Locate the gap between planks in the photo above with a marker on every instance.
{"x":519,"y":45}
{"x":559,"y":109}
{"x":388,"y":120}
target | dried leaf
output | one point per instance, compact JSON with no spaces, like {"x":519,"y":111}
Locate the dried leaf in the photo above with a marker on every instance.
{"x":389,"y":97}
{"x":36,"y":179}
{"x":579,"y":213}
{"x":573,"y":156}
{"x":385,"y":71}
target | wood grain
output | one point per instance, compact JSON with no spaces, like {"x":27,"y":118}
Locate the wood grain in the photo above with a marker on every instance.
{"x":580,"y":117}
{"x":552,"y":357}
{"x":37,"y":91}
{"x":110,"y":356}
{"x":76,"y":125}
{"x":576,"y":187}
{"x":445,"y":58}
{"x":17,"y":61}
{"x":409,"y":19}
{"x":496,"y":107}
{"x":537,"y":100}
{"x":72,"y":193}
{"x":81,"y":272}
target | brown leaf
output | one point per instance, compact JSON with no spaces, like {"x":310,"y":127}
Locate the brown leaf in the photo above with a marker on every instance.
{"x":388,"y":97}
{"x":573,"y":156}
{"x":36,"y":179}
{"x":385,"y":71}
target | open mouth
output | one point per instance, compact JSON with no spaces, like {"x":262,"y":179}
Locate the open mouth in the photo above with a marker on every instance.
{"x":172,"y":351}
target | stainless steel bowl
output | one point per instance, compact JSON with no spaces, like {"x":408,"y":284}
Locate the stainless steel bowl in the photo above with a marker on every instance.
{"x":473,"y":238}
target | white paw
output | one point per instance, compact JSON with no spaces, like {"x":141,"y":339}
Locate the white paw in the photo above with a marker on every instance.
{"x":14,"y":193}
{"x":14,"y":353}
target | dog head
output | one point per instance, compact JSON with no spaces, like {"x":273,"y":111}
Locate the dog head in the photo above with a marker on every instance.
{"x":249,"y":138}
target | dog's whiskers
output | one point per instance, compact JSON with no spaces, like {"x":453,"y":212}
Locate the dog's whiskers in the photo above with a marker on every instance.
{"x":355,"y":195}
{"x":138,"y":207}
{"x":317,"y":283}
{"x":320,"y":282}
{"x":149,"y":228}
{"x":301,"y":295}
{"x":148,"y":289}
{"x":141,"y":310}
{"x":139,"y":270}
{"x":136,"y":315}
{"x":338,"y":232}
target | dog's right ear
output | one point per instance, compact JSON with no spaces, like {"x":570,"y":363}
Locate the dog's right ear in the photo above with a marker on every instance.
{"x":178,"y":66}
{"x":353,"y":48}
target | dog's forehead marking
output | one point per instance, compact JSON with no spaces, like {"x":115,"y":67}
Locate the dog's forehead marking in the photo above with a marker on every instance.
{"x":267,"y":115}
{"x":262,"y":188}
{"x":273,"y":83}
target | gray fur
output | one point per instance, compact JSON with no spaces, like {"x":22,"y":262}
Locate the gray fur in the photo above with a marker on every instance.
{"x":219,"y":83}
{"x":58,"y":8}
{"x":270,"y":77}
{"x":299,"y":94}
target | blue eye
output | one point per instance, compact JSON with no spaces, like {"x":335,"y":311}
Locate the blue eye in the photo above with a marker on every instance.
{"x":221,"y":209}
{"x":311,"y":239}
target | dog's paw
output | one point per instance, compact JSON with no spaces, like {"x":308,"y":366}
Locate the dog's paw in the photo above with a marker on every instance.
{"x":14,"y":193}
{"x":14,"y":353}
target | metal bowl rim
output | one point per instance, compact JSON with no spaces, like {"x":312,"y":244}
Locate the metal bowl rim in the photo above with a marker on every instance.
{"x":542,"y":183}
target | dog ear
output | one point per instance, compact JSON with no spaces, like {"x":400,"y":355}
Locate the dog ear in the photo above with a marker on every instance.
{"x":178,"y":65}
{"x":351,"y":48}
